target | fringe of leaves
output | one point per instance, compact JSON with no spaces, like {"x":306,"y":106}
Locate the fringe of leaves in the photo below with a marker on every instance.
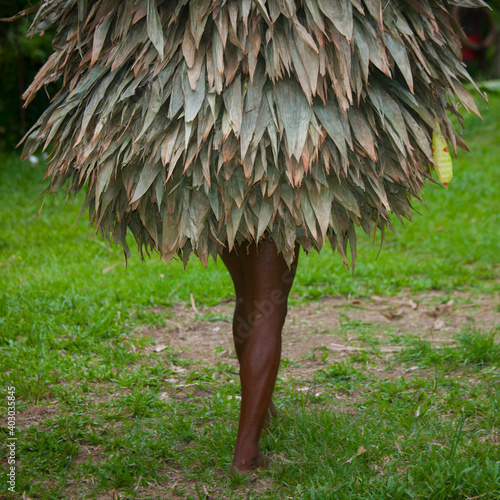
{"x":199,"y":124}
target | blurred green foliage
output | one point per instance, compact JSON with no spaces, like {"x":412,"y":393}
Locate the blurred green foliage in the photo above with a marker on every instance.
{"x":486,"y":65}
{"x":20,"y":59}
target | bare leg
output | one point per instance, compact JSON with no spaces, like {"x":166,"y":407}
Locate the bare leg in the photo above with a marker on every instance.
{"x":241,"y":326}
{"x":235,"y":267}
{"x":262,"y":304}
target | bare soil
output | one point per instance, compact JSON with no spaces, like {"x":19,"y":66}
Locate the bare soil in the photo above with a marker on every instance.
{"x":331,"y":323}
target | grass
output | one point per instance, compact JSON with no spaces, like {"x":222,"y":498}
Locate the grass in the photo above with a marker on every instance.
{"x":474,"y":348}
{"x":111,"y":414}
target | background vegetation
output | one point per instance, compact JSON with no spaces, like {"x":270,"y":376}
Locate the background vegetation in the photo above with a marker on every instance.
{"x":20,"y":58}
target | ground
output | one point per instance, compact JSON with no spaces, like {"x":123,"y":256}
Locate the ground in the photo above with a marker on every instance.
{"x":316,"y":336}
{"x":432,"y":316}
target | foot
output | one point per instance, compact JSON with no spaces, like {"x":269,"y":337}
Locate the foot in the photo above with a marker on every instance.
{"x":247,"y":465}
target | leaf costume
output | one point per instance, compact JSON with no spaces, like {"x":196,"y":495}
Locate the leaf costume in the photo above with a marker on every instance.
{"x":201,"y":124}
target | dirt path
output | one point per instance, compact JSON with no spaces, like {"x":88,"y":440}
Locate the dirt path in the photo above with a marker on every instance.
{"x":336,"y":323}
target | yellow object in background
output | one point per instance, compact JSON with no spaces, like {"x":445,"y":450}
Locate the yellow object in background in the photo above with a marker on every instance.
{"x":442,"y":157}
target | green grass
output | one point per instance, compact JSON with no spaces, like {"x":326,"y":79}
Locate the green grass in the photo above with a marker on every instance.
{"x":474,"y":348}
{"x":157,"y":425}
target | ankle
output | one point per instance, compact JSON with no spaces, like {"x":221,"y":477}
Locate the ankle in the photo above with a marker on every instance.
{"x":243,"y":463}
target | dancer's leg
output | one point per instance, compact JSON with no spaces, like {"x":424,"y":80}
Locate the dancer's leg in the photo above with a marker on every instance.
{"x":234,"y":266}
{"x":267,"y":282}
{"x":241,"y":328}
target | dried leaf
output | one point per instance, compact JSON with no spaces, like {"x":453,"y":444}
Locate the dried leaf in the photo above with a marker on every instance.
{"x":400,"y":55}
{"x":361,"y":450}
{"x":439,"y":324}
{"x":233,"y":104}
{"x":148,"y":176}
{"x":265,"y":215}
{"x":294,"y":114}
{"x":193,"y":99}
{"x":155,"y":30}
{"x":100,"y":37}
{"x":161,"y":101}
{"x":391,"y":314}
{"x":340,"y":14}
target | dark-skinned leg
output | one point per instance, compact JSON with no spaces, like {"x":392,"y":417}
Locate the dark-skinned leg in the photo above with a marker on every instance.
{"x":241,"y":328}
{"x":267,"y":282}
{"x":234,"y":266}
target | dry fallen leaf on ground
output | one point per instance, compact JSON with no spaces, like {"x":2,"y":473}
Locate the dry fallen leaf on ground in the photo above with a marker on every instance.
{"x":392,"y":313}
{"x":340,"y":347}
{"x":361,"y":450}
{"x":441,"y":309}
{"x":439,"y":324}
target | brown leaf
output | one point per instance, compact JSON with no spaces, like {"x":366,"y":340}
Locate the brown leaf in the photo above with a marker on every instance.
{"x":399,"y":302}
{"x":188,"y":47}
{"x":198,"y":16}
{"x":441,"y":309}
{"x":391,"y":314}
{"x":439,"y":324}
{"x":361,"y":450}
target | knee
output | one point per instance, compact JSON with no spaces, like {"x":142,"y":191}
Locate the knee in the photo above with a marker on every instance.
{"x":242,"y":328}
{"x":277,"y":305}
{"x":272,"y":309}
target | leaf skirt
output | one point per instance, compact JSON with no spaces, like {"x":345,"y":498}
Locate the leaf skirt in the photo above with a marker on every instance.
{"x":202,"y":124}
